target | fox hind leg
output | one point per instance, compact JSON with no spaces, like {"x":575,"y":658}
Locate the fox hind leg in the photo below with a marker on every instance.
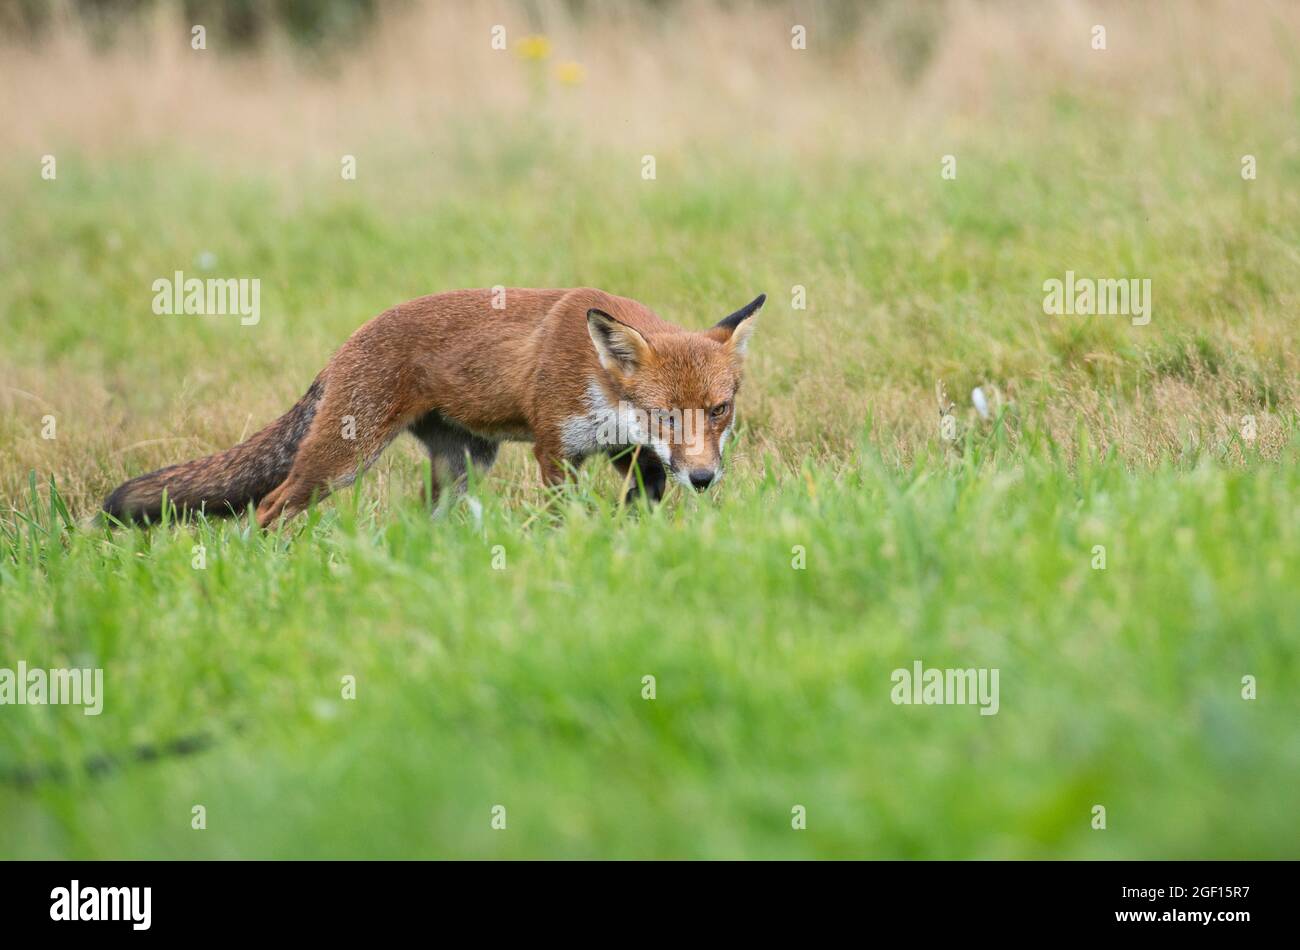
{"x":452,"y":450}
{"x":337,"y":449}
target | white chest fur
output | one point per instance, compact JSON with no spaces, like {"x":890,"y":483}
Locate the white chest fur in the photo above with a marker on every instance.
{"x":605,"y":425}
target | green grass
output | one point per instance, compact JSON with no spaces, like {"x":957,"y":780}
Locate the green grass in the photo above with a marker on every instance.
{"x":522,"y":686}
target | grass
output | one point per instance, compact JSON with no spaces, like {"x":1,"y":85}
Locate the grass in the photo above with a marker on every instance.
{"x":521,"y":683}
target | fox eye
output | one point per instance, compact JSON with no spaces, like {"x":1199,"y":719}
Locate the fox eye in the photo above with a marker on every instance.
{"x":720,"y":410}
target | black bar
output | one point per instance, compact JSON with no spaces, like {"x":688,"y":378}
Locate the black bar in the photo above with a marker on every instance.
{"x":334,"y":899}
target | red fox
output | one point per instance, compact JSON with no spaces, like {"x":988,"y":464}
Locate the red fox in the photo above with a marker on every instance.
{"x":576,"y":372}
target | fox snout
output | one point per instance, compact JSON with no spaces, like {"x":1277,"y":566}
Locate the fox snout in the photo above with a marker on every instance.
{"x":702,"y":478}
{"x":698,"y":473}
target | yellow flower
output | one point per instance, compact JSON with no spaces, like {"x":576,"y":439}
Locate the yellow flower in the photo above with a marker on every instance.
{"x":571,"y":74}
{"x":533,"y":47}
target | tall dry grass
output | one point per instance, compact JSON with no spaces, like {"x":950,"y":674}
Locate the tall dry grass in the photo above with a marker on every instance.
{"x":654,"y":74}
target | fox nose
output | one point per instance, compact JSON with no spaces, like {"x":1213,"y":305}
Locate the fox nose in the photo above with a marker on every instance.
{"x":701,"y":478}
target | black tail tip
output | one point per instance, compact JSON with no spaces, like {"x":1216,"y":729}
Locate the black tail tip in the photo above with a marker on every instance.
{"x":124,"y":508}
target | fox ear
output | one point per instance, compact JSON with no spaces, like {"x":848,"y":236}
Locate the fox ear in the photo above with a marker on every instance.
{"x":620,"y":348}
{"x":736,"y":329}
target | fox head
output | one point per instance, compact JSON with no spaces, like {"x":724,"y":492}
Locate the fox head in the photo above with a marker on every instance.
{"x":678,"y":390}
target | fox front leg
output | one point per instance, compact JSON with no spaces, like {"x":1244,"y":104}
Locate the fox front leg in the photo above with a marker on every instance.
{"x":634,"y":460}
{"x":550,"y":459}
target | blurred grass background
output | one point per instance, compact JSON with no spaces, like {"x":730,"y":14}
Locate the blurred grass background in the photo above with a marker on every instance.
{"x":776,"y":168}
{"x":523,"y":686}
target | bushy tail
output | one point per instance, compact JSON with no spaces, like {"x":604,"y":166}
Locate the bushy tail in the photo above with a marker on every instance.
{"x":225,"y":483}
